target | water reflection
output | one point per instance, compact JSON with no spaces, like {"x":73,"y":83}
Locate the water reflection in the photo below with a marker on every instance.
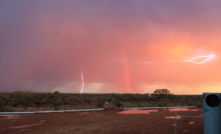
{"x":137,"y":111}
{"x":191,"y":122}
{"x":172,"y":117}
{"x":184,"y":109}
{"x":10,"y":116}
{"x":26,"y":126}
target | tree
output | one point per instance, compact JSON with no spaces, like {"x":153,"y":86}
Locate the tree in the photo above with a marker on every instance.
{"x":161,"y":91}
{"x":56,"y":94}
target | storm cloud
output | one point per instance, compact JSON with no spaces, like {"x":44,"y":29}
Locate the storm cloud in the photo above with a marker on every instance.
{"x":45,"y":44}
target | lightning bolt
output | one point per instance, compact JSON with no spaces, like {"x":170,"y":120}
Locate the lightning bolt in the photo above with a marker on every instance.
{"x":82,"y":78}
{"x":209,"y":57}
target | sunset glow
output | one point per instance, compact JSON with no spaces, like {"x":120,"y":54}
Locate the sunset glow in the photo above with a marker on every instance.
{"x":193,"y":60}
{"x":123,"y":46}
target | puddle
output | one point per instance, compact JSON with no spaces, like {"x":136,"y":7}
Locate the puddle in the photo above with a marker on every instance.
{"x":186,"y":130}
{"x":10,"y":116}
{"x":24,"y":130}
{"x":26,"y":126}
{"x":191,"y":122}
{"x":85,"y":113}
{"x":183,"y":109}
{"x":98,"y":115}
{"x":137,"y":111}
{"x":172,"y":117}
{"x":42,"y":121}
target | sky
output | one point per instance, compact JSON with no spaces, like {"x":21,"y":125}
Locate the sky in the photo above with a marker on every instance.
{"x":121,"y":46}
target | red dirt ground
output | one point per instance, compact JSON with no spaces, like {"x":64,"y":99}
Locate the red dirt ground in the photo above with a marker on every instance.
{"x":104,"y":122}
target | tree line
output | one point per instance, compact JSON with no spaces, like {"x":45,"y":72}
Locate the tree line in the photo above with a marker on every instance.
{"x":55,"y":99}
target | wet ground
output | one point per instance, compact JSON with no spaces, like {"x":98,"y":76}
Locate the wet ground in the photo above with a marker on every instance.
{"x":154,"y":121}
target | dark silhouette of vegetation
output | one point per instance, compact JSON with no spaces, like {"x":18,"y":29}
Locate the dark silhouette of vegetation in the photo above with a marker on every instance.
{"x":118,"y":103}
{"x":100,"y":104}
{"x":161,"y":91}
{"x":56,"y":99}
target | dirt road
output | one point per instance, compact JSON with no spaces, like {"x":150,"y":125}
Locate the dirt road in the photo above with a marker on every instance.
{"x":104,"y":122}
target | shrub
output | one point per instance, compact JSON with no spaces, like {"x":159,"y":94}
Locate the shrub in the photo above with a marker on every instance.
{"x":199,"y":104}
{"x":100,"y":104}
{"x":136,"y":97}
{"x":56,"y":108}
{"x":2,"y":109}
{"x":118,"y":103}
{"x":14,"y":103}
{"x":2,"y":102}
{"x":87,"y":100}
{"x":5,"y":109}
{"x":117,"y":96}
{"x":190,"y":102}
{"x":58,"y":102}
{"x":139,"y":104}
{"x":163,"y":102}
{"x":22,"y":98}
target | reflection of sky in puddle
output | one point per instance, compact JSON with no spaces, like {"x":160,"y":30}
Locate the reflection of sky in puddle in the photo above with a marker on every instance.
{"x":85,"y":113}
{"x":98,"y":115}
{"x":26,"y":126}
{"x":137,"y":111}
{"x":172,"y":117}
{"x":24,"y":130}
{"x":11,"y":116}
{"x":183,"y":109}
{"x":42,"y":121}
{"x":191,"y":122}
